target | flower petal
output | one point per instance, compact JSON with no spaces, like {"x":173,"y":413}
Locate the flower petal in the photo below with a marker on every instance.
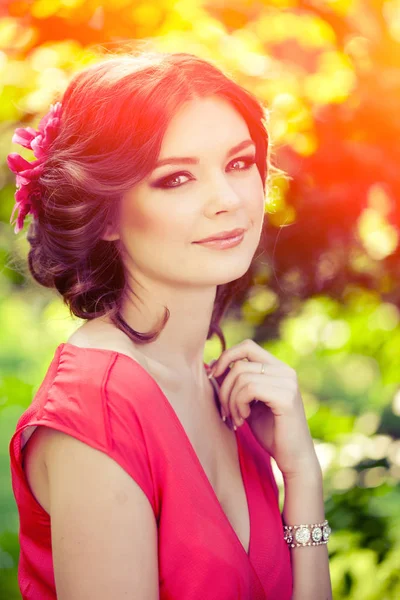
{"x":24,"y":136}
{"x":24,"y":210}
{"x":30,"y":174}
{"x":54,"y":112}
{"x":22,"y":195}
{"x":16,"y":163}
{"x":38,"y":146}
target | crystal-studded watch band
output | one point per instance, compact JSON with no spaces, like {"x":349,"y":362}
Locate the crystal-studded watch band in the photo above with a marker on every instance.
{"x":307,"y":535}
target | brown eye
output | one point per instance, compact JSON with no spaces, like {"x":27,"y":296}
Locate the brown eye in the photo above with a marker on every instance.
{"x":172,"y":179}
{"x":247,"y":160}
{"x":164,"y":183}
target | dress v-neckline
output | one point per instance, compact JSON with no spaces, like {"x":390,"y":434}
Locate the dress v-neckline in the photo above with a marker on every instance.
{"x":203,"y":473}
{"x":190,"y":445}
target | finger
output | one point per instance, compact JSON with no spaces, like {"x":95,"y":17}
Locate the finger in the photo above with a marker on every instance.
{"x":241,"y":367}
{"x":247,"y":349}
{"x":277,"y":397}
{"x":240,"y":399}
{"x":226,"y":387}
{"x":240,"y":374}
{"x":238,"y":368}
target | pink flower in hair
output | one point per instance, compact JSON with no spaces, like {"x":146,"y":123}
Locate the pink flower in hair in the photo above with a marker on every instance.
{"x":28,"y":194}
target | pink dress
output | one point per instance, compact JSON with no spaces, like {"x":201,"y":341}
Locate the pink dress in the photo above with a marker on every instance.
{"x":110,"y":402}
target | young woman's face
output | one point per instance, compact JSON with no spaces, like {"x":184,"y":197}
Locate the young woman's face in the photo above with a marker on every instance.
{"x":178,"y":204}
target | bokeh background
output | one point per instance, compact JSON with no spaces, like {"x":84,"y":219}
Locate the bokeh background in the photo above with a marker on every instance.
{"x":325,"y":296}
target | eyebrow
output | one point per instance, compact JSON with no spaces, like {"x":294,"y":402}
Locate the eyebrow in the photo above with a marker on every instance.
{"x":192,"y":160}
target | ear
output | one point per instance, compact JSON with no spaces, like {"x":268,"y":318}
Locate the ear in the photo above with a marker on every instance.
{"x":110,"y":234}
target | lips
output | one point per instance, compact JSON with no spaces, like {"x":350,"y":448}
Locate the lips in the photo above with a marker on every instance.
{"x":222,"y":235}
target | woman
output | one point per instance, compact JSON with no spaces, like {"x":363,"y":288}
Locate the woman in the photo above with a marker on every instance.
{"x":147,"y":473}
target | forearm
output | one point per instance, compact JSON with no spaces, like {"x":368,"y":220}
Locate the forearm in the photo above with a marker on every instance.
{"x":304,"y":504}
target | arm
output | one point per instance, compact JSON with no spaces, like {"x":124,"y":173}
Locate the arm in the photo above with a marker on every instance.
{"x":103,"y":529}
{"x":304,"y":503}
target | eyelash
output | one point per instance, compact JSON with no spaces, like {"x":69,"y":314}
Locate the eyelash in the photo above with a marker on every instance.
{"x":248,"y":160}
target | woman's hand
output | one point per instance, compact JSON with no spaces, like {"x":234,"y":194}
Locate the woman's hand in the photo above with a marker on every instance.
{"x":277,"y":419}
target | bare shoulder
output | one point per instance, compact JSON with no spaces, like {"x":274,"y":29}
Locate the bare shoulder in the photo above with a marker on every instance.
{"x":94,"y":332}
{"x":101,"y":333}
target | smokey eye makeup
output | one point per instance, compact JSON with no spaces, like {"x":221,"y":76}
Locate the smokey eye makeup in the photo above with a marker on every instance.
{"x":165,"y":182}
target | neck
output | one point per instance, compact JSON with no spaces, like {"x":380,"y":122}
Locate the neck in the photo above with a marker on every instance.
{"x":179,"y":348}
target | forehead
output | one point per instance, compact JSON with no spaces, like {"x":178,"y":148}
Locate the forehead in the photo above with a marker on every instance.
{"x":208,"y":123}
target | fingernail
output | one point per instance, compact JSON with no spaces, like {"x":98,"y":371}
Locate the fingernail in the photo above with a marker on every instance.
{"x":234,"y":427}
{"x":224,"y":418}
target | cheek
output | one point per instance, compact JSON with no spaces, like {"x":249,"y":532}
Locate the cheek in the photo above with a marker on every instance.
{"x":149,"y":223}
{"x":256,"y":197}
{"x":140,"y":218}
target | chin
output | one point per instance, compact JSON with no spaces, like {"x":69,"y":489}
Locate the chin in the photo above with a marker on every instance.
{"x":228,"y":273}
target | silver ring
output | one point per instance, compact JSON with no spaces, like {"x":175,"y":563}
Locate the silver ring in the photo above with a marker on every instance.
{"x":263,"y":368}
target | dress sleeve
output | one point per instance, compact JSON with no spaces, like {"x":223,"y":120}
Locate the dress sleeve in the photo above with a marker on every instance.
{"x":85,"y":402}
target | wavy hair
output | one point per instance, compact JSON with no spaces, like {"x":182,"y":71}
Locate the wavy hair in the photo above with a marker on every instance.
{"x":115,"y":114}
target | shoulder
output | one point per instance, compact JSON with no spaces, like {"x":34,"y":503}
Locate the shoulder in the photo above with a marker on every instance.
{"x":91,"y":371}
{"x":101,"y":334}
{"x":100,"y":342}
{"x":74,"y":396}
{"x":93,"y":391}
{"x":97,"y":397}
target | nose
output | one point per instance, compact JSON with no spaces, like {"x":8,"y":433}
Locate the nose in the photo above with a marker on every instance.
{"x":222,"y":195}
